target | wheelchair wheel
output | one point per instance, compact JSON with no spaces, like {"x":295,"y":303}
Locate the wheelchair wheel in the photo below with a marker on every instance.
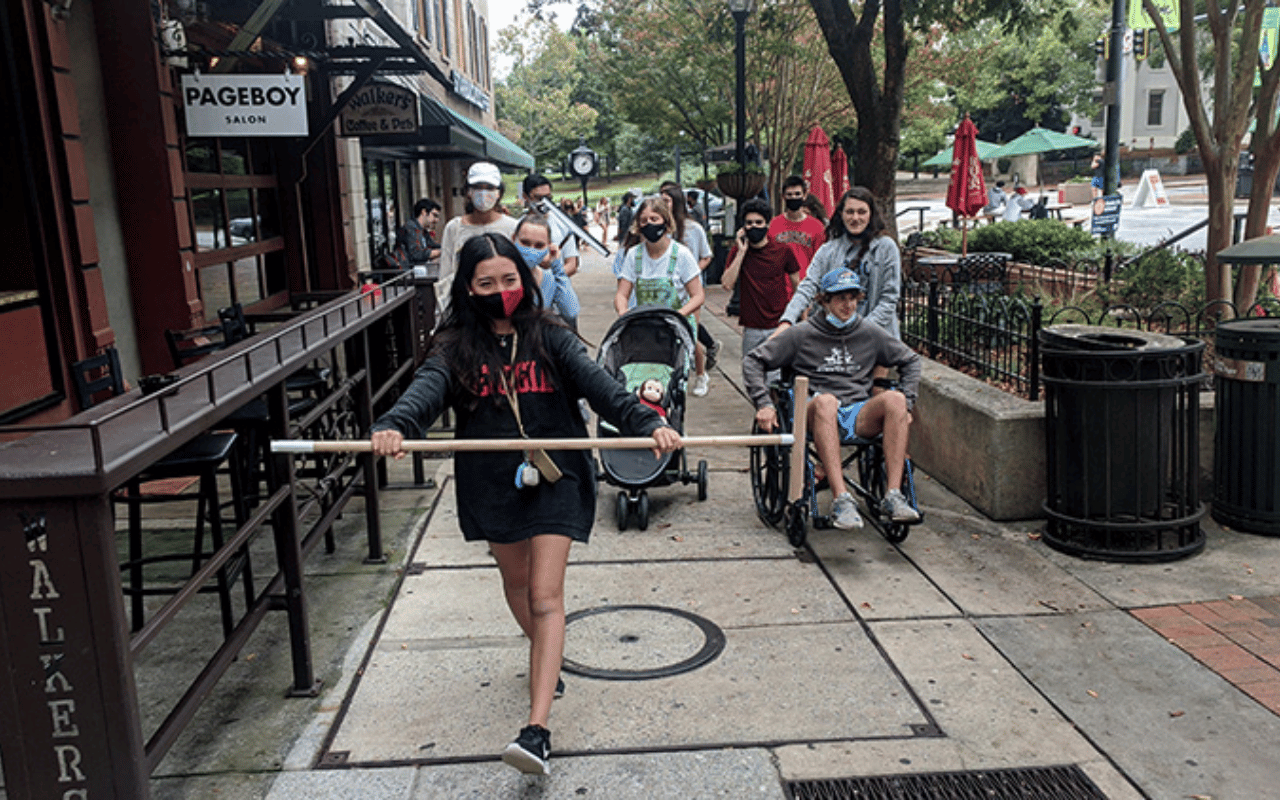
{"x":702,"y":480}
{"x":642,"y":511}
{"x":622,"y":510}
{"x":770,"y":473}
{"x":872,"y":477}
{"x":797,"y":523}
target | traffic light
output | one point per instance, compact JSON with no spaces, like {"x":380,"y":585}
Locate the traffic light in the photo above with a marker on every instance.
{"x":1140,"y":44}
{"x":1100,"y":46}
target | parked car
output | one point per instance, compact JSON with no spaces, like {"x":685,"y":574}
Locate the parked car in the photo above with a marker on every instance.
{"x":714,"y":202}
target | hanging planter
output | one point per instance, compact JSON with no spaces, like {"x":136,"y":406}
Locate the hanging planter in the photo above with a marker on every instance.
{"x":739,"y":184}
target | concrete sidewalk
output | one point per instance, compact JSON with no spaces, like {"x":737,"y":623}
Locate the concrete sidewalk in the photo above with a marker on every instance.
{"x":971,"y":646}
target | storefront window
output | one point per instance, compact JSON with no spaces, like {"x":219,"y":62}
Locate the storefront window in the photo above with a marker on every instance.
{"x":235,"y":221}
{"x":386,"y":199}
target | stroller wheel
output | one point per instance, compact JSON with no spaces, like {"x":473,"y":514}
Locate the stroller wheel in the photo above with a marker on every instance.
{"x":642,"y":511}
{"x":623,"y":508}
{"x":702,"y":480}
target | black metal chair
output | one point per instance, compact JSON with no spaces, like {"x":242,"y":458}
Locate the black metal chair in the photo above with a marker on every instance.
{"x":193,"y":344}
{"x":252,"y":421}
{"x":984,"y":271}
{"x":312,"y":381}
{"x":99,"y":377}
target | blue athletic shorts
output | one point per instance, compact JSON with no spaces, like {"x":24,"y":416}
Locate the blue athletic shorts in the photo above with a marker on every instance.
{"x":847,"y":417}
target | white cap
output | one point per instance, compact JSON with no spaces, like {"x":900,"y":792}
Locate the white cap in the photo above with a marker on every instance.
{"x":484,"y":172}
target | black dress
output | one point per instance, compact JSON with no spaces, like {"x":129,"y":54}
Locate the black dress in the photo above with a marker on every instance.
{"x":490,"y":507}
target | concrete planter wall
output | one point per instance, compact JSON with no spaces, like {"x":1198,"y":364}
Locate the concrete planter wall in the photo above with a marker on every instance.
{"x":987,"y":446}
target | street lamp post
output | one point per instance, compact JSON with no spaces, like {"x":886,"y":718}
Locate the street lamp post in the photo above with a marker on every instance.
{"x":740,"y":9}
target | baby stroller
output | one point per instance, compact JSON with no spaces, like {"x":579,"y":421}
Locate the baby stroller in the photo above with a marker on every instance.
{"x":648,"y":343}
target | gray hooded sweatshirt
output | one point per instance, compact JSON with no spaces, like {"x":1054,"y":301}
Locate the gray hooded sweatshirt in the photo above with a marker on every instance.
{"x":836,"y":361}
{"x":880,"y":271}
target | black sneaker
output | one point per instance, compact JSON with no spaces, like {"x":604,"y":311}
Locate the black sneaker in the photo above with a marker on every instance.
{"x":713,"y":350}
{"x":531,"y":751}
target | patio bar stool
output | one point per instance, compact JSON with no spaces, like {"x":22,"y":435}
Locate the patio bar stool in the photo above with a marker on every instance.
{"x":201,"y":458}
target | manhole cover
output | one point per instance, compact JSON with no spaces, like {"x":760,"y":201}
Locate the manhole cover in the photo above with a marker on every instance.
{"x":632,"y":643}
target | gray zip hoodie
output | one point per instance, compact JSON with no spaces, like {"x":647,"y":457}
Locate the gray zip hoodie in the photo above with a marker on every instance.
{"x":836,"y":361}
{"x":880,"y":271}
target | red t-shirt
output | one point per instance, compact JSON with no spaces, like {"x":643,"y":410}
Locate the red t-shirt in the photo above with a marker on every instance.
{"x":765,"y":285}
{"x":803,"y":237}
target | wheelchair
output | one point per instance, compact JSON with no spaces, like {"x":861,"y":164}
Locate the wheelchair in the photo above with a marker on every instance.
{"x":863,"y":466}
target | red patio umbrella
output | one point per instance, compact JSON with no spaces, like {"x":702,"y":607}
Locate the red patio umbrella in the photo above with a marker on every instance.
{"x":817,"y":167}
{"x":967,"y":191}
{"x":839,"y":173}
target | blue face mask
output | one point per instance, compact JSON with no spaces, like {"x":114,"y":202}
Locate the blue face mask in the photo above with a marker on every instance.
{"x":531,"y":256}
{"x":839,"y":324}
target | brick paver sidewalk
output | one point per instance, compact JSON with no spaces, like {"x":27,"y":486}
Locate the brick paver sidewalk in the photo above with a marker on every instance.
{"x":1237,"y":638}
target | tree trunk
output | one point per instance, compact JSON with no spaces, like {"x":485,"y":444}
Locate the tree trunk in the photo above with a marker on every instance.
{"x":1266,"y":165}
{"x":1220,"y":176}
{"x":878,"y":100}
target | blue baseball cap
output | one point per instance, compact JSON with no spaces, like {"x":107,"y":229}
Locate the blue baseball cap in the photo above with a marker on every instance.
{"x":840,"y":280}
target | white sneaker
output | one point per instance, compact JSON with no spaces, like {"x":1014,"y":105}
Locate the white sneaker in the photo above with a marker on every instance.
{"x":701,"y":384}
{"x":895,"y":507}
{"x":844,"y":513}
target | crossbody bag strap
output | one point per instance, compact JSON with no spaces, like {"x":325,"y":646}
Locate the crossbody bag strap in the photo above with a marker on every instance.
{"x":509,"y":388}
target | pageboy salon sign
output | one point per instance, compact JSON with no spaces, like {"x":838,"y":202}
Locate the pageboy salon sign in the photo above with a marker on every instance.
{"x":245,"y":105}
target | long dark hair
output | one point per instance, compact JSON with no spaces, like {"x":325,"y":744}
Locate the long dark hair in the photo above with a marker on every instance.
{"x":465,"y":338}
{"x":875,"y":225}
{"x":679,"y":210}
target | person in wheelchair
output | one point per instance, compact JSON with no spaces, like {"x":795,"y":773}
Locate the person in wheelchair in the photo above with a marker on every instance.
{"x":837,"y":351}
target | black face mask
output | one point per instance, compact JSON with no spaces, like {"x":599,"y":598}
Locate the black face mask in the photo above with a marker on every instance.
{"x":756,"y":235}
{"x":653,"y":231}
{"x":500,"y":305}
{"x":794,"y":203}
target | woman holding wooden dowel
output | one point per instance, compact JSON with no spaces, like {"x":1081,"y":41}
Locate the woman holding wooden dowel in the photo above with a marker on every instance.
{"x":510,"y":370}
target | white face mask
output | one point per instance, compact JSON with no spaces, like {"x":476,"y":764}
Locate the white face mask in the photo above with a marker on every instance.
{"x":484,"y":199}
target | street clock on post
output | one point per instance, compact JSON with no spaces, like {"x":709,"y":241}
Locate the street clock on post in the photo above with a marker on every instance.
{"x":583,"y":163}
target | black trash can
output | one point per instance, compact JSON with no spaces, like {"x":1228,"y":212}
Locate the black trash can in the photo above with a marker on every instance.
{"x":1246,"y":463}
{"x":1121,"y":443}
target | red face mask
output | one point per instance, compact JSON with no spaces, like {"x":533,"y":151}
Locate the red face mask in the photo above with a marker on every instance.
{"x":501,"y":305}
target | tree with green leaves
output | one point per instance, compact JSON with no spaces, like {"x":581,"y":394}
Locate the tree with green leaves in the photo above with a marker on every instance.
{"x":876,"y":78}
{"x":1228,"y":48}
{"x":671,"y":68}
{"x":536,"y":108}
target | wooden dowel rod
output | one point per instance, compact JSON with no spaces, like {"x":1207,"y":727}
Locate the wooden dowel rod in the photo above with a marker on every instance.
{"x":474,"y":445}
{"x":799,"y":430}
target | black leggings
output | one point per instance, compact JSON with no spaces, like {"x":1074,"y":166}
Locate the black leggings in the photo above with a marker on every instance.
{"x":704,"y":336}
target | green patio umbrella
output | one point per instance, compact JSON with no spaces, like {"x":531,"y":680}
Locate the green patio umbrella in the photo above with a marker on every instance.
{"x":1042,"y":140}
{"x":986,"y":152}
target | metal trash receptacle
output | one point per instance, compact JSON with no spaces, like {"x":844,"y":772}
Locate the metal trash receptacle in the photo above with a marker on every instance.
{"x":1246,"y":463}
{"x":1121,"y":442}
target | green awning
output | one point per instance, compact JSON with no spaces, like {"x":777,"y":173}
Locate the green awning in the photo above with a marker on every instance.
{"x":943,"y":158}
{"x":498,"y":148}
{"x":444,"y":133}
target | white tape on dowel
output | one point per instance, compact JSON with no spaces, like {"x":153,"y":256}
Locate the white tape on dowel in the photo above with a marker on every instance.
{"x":475,"y":445}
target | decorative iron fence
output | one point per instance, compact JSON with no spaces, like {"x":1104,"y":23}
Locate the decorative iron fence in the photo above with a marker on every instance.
{"x":978,"y":329}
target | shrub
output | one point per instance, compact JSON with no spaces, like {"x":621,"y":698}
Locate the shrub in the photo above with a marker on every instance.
{"x":1003,"y":165}
{"x":942,"y":239}
{"x":1164,"y":275}
{"x":1186,"y":142}
{"x":1035,"y":241}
